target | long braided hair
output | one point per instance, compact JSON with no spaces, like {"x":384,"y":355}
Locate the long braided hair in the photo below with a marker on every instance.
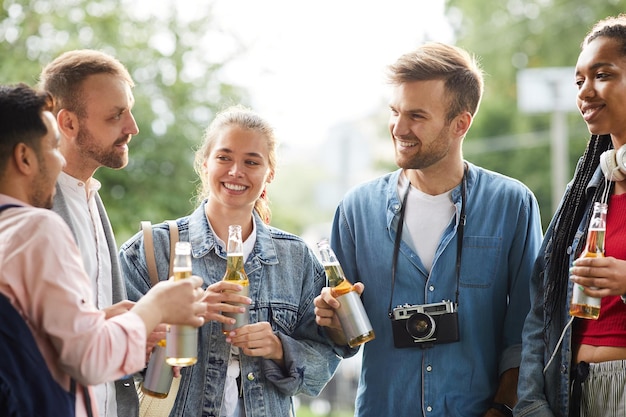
{"x":575,"y":203}
{"x":576,"y":200}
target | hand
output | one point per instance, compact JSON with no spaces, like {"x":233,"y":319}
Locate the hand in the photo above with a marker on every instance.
{"x":607,"y":276}
{"x":219,"y":298}
{"x":173,"y":302}
{"x":257,"y":339}
{"x":325,"y":306}
{"x":118,"y":308}
{"x":155,"y":337}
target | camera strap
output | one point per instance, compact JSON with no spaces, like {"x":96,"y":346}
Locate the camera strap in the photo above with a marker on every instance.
{"x":459,"y":244}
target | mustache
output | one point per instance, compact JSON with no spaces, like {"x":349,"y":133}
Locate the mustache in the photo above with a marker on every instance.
{"x":123,"y":140}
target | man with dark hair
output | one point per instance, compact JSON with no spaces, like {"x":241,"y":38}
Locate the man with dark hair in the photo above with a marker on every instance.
{"x":92,"y":104}
{"x":42,"y":274}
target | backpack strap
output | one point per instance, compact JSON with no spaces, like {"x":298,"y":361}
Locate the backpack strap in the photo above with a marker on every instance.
{"x":173,"y":239}
{"x":148,"y":242}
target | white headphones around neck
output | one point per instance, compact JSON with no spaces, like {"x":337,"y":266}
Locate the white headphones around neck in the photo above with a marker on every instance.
{"x":613,"y":164}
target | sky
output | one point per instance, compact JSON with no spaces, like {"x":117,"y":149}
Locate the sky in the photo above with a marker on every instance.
{"x":311,"y":65}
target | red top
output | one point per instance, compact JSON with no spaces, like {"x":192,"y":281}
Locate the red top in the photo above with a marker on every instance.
{"x":610,"y":328}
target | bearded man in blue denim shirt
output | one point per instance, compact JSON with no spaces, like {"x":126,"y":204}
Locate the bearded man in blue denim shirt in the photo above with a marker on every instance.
{"x":442,"y":250}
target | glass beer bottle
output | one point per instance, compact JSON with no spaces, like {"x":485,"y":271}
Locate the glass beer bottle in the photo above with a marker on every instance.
{"x":582,"y":305}
{"x":181,"y":341}
{"x":158,"y":378}
{"x":352,"y":316}
{"x":235,"y":273}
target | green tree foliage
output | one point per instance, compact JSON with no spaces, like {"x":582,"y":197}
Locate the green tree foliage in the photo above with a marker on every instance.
{"x":509,"y":36}
{"x":178,"y":89}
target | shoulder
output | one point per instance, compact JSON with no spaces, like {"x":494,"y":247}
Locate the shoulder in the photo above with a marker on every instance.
{"x":283,"y":243}
{"x":41,"y":227}
{"x":486,"y":180}
{"x":280,"y":235}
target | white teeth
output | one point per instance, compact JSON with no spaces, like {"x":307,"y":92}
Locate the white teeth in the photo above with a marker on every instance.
{"x":406,"y":144}
{"x":234,"y":187}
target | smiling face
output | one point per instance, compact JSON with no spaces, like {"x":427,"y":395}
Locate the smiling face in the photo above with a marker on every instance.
{"x":601,"y":81}
{"x":237,"y":168}
{"x":418,"y":124}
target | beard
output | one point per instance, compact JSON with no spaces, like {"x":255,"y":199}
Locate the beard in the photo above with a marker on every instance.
{"x":428,"y":154}
{"x":43,"y":187}
{"x":90,"y":148}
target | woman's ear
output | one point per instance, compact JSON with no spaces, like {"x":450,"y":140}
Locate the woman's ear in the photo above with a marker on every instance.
{"x":270,"y":177}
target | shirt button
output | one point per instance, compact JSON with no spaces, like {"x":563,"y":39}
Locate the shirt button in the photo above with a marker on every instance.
{"x":429,"y":368}
{"x":250,"y":376}
{"x":431,"y":288}
{"x":429,"y":409}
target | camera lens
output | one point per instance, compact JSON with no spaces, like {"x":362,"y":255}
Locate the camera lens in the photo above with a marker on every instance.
{"x":420,"y":326}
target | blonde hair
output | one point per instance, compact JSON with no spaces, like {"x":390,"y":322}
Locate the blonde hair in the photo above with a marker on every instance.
{"x":244,"y":118}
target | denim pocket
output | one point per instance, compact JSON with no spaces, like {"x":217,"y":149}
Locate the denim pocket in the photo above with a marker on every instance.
{"x":483,"y":254}
{"x":283,"y":317}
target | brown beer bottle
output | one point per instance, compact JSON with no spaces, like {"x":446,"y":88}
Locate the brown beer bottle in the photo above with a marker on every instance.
{"x":235,"y":273}
{"x":582,"y":305}
{"x":352,"y":316}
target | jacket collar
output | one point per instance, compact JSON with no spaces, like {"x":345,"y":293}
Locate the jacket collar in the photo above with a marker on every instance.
{"x":203,"y":241}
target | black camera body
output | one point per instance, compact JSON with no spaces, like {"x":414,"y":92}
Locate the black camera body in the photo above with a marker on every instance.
{"x":425,"y":325}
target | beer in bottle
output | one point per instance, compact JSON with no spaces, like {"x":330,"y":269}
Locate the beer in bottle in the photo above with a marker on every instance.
{"x":235,"y":273}
{"x":582,"y":305}
{"x":182,"y":341}
{"x":352,"y":316}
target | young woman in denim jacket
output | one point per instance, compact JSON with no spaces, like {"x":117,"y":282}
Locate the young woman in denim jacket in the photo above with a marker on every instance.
{"x":281,"y":352}
{"x":577,"y":367}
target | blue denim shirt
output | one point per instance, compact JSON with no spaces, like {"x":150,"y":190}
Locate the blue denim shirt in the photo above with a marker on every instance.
{"x":285,"y":277}
{"x":501,"y":239}
{"x":546,"y":395}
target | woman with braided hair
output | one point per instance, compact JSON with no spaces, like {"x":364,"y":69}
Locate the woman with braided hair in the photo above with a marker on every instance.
{"x":572,"y":366}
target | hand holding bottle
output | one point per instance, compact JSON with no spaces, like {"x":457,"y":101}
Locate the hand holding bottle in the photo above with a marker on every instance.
{"x":600,"y":276}
{"x":257,"y":339}
{"x":352,"y":316}
{"x":583,"y":305}
{"x":224,"y":297}
{"x":326,"y":305}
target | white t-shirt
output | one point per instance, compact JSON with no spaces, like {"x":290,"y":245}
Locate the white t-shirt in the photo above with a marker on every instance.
{"x":425,"y":219}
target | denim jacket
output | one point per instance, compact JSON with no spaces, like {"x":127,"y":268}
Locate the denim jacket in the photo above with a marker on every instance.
{"x":501,"y":238}
{"x":548,"y":395}
{"x":285,"y":277}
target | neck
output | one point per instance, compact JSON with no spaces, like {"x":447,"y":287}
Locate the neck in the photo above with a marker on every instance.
{"x":434,"y":180}
{"x":221,"y":218}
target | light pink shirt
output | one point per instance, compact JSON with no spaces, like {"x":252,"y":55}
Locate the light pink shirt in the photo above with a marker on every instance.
{"x":42,"y":275}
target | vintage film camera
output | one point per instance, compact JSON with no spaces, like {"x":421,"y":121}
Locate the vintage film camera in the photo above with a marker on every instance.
{"x":425,"y":325}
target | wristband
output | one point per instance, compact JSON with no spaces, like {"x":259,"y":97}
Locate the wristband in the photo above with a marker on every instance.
{"x":503,"y":408}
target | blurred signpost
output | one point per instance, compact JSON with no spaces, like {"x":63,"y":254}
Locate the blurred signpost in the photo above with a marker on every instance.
{"x":551,"y":90}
